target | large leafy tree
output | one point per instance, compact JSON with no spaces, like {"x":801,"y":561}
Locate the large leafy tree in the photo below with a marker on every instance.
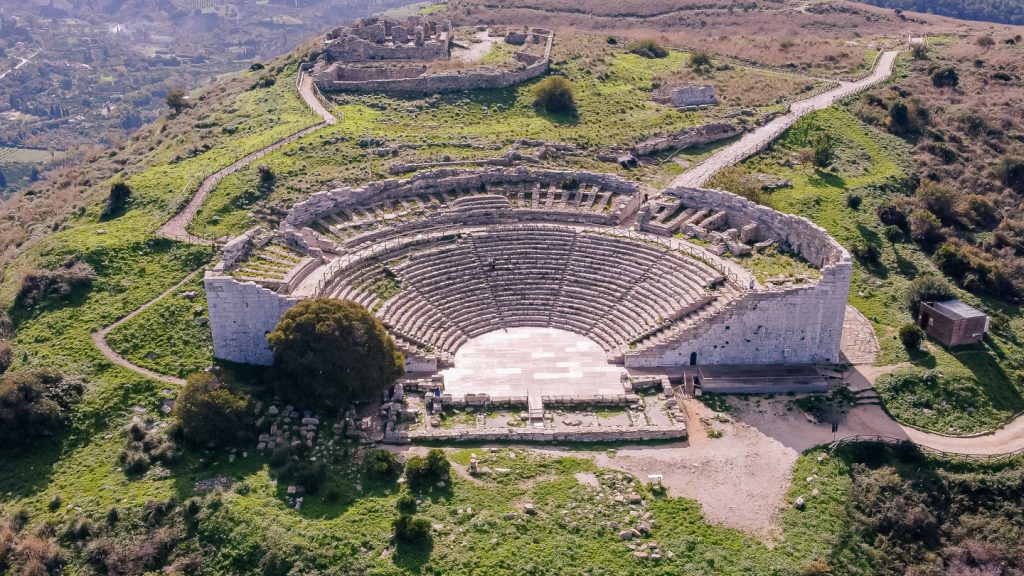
{"x":330,"y":352}
{"x":209,"y":412}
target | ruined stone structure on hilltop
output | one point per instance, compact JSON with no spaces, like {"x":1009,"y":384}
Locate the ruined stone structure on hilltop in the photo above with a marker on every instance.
{"x":685,"y":95}
{"x":380,"y":55}
{"x":380,"y":38}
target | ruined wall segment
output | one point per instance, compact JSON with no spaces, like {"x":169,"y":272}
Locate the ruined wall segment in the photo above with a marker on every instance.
{"x":797,"y":324}
{"x":241,"y":316}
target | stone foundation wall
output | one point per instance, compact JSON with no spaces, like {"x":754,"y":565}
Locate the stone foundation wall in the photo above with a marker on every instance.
{"x":241,"y":315}
{"x":610,"y":434}
{"x":440,"y":83}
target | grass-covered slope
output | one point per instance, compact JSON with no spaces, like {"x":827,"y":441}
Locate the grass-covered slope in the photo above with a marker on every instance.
{"x":958,"y":391}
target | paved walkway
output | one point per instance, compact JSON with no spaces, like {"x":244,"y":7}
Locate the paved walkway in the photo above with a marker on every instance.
{"x":755,"y":141}
{"x":177,"y":227}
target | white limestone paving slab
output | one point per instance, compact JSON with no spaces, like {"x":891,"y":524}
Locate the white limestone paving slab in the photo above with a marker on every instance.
{"x":546,"y":361}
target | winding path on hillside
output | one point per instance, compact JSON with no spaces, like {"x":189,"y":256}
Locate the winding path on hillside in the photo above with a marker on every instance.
{"x":99,"y":337}
{"x":177,"y":227}
{"x":756,"y":140}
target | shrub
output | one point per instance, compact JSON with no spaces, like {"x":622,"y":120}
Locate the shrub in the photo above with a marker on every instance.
{"x":867,"y":253}
{"x":946,"y":77}
{"x":554,"y":95}
{"x":647,"y":48}
{"x":891,"y":215}
{"x":411,"y":530}
{"x":824,"y":151}
{"x":853,"y":201}
{"x":406,"y":503}
{"x":332,"y":352}
{"x":979,"y":211}
{"x":382,"y":466}
{"x":256,"y":66}
{"x":925,"y":228}
{"x":34,"y":404}
{"x":177,"y":101}
{"x":938,"y":200}
{"x":700,"y":59}
{"x":6,"y":356}
{"x":265,"y":81}
{"x":43,"y":285}
{"x":1010,"y":172}
{"x":926,"y":288}
{"x":117,"y":201}
{"x":892,"y":233}
{"x":267,"y":175}
{"x":207,"y":412}
{"x":911,"y":336}
{"x":986,"y":41}
{"x":422,"y":472}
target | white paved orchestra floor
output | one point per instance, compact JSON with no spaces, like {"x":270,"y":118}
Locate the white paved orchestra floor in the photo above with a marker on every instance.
{"x":532,"y":361}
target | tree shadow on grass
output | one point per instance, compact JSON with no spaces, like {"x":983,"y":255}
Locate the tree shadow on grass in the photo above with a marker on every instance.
{"x":412,"y":557}
{"x":822,"y":179}
{"x":560,"y":119}
{"x":999,"y":390}
{"x":905,"y":267}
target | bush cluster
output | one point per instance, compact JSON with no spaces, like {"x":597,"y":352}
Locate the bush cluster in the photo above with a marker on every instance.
{"x":411,"y":529}
{"x":39,"y":286}
{"x":647,"y":48}
{"x":145,"y":446}
{"x":209,"y":413}
{"x":422,"y":472}
{"x":34,"y":404}
{"x":554,"y":95}
{"x":382,"y":466}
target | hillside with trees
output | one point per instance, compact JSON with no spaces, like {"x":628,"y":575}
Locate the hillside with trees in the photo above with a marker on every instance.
{"x":1002,"y":11}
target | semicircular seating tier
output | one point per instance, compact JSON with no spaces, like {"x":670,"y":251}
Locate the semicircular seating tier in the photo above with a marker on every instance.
{"x":449,"y":288}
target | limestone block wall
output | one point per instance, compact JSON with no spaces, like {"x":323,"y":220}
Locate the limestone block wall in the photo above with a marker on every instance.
{"x":241,"y":315}
{"x":795,"y":325}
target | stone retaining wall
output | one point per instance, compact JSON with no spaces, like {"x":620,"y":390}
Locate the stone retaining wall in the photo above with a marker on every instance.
{"x":610,"y":434}
{"x":695,"y":136}
{"x":787,"y":326}
{"x":799,"y":324}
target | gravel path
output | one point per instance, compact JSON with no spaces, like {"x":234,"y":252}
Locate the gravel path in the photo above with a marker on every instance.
{"x":177,"y":227}
{"x":755,"y":141}
{"x":100,"y":336}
